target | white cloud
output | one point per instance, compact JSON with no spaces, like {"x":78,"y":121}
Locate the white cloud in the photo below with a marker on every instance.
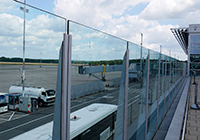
{"x":10,"y":25}
{"x":190,"y":18}
{"x":77,"y":37}
{"x":43,"y":34}
{"x":92,"y":12}
{"x":169,"y":9}
{"x":94,"y":35}
{"x":6,"y":5}
{"x":112,"y":16}
{"x":125,"y":25}
{"x":131,"y":28}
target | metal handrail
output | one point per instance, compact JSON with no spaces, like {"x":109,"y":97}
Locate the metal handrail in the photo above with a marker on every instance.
{"x":186,"y":113}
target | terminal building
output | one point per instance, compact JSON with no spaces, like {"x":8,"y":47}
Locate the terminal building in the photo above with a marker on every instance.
{"x":189,"y":40}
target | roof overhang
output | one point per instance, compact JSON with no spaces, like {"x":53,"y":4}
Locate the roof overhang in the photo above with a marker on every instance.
{"x":181,"y":35}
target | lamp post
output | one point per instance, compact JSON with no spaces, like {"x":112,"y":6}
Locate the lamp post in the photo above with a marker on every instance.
{"x":141,"y":52}
{"x":41,"y":60}
{"x":23,"y":68}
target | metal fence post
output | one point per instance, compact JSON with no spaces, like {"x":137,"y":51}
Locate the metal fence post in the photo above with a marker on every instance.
{"x":165,"y":85}
{"x":141,"y":53}
{"x":174,"y":79}
{"x":170,"y":75}
{"x":66,"y":88}
{"x":126,"y":95}
{"x":158,"y":87}
{"x":147,"y":93}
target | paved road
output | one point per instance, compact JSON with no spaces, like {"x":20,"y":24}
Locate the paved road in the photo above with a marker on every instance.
{"x":18,"y":126}
{"x":46,"y":76}
{"x":13,"y":128}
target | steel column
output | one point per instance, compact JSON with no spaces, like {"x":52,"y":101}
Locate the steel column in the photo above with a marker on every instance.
{"x":188,"y":59}
{"x":169,"y":85}
{"x":147,"y":95}
{"x":126,"y":95}
{"x":165,"y":84}
{"x":66,"y":88}
{"x":23,"y":68}
{"x":158,"y":87}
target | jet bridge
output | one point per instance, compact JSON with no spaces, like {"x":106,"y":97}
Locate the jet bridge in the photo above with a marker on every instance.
{"x":133,"y":73}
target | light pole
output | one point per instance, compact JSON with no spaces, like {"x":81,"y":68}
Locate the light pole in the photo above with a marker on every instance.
{"x":23,"y":68}
{"x":141,"y":52}
{"x":41,"y":60}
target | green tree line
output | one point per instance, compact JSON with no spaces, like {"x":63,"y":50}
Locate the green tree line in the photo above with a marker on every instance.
{"x":16,"y":59}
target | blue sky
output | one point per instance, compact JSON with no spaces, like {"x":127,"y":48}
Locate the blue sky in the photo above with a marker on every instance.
{"x":47,"y":5}
{"x":126,"y":19}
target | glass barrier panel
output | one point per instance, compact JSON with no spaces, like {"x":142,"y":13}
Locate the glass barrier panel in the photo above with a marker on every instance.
{"x":43,"y":38}
{"x":11,"y":42}
{"x":137,"y":87}
{"x":171,"y":83}
{"x":97,"y":74}
{"x":153,"y":94}
{"x":166,"y":83}
{"x":136,"y":106}
{"x":162,"y":93}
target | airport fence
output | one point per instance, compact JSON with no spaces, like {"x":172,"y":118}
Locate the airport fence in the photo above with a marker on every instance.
{"x":142,"y":82}
{"x":149,"y":97}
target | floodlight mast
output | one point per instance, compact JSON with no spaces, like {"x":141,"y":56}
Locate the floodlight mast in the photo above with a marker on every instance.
{"x":23,"y":68}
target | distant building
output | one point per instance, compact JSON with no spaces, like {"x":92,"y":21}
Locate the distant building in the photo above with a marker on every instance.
{"x":189,"y":40}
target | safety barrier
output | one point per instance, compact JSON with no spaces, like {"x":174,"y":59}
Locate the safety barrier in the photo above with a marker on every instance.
{"x":86,"y":88}
{"x":37,"y":106}
{"x":136,"y":128}
{"x":29,"y":108}
{"x":116,"y":81}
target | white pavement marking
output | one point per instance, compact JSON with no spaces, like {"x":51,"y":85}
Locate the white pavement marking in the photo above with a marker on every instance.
{"x":19,"y":116}
{"x":25,"y":123}
{"x":51,"y":115}
{"x":11,"y":116}
{"x":43,"y":117}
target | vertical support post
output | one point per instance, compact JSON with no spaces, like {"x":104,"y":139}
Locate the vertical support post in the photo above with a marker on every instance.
{"x":66,"y":26}
{"x":165,"y":85}
{"x":175,"y":68}
{"x":66,"y":88}
{"x":175,"y":88}
{"x":169,"y":85}
{"x":23,"y":68}
{"x":41,"y":59}
{"x":194,"y":83}
{"x":195,"y":96}
{"x":173,"y":71}
{"x":158,"y":87}
{"x":126,"y":95}
{"x":188,"y":68}
{"x":174,"y":75}
{"x":195,"y":105}
{"x":147,"y":96}
{"x":141,"y":52}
